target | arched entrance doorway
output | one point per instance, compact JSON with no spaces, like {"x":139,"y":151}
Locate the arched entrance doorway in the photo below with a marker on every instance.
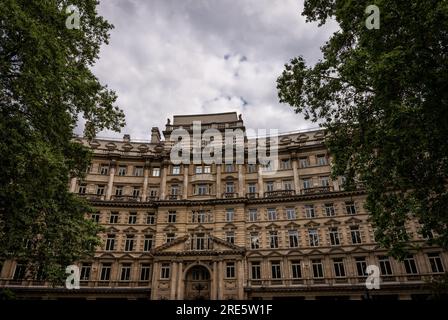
{"x":197,"y":283}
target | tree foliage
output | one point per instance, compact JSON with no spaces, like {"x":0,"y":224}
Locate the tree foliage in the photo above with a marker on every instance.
{"x":382,"y":95}
{"x":45,"y":85}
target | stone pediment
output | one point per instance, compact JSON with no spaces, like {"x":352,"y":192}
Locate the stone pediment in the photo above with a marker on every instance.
{"x":182,"y":246}
{"x":332,"y":222}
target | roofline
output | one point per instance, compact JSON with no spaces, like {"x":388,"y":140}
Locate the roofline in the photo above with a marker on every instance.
{"x":205,"y":114}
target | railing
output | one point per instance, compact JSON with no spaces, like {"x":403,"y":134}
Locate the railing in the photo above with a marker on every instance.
{"x":229,"y":195}
{"x":252,"y":195}
{"x":322,"y":189}
{"x":92,"y":196}
{"x":279,"y":193}
{"x":173,"y":197}
{"x":152,"y":198}
{"x":126,"y":198}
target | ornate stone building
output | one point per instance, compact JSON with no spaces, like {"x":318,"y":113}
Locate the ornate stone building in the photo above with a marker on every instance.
{"x":228,"y":231}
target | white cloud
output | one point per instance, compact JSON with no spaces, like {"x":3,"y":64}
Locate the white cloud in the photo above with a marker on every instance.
{"x":199,"y":56}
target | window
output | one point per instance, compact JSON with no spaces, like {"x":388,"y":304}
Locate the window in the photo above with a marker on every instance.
{"x":334,"y":236}
{"x":119,"y":190}
{"x":321,"y":160}
{"x":100,"y":189}
{"x":136,"y":192}
{"x":230,"y":213}
{"x":255,"y":270}
{"x":291,"y":213}
{"x":314,"y":237}
{"x":19,"y":272}
{"x":113,"y":217}
{"x":350,"y":207}
{"x":202,"y":189}
{"x":89,"y":168}
{"x":329,"y":210}
{"x":324,"y":181}
{"x":147,"y":244}
{"x":410,"y":265}
{"x":273,"y":239}
{"x":272,"y":214}
{"x":156,"y":172}
{"x":129,"y":242}
{"x":318,"y":269}
{"x":82,"y":188}
{"x":125,"y":272}
{"x":269,"y":186}
{"x":198,"y":169}
{"x":304,"y":162}
{"x":306,"y":183}
{"x":436,"y":262}
{"x":110,"y":242}
{"x":138,"y":171}
{"x":122,"y":170}
{"x":361,"y":266}
{"x":151,"y":218}
{"x":287,"y":185}
{"x":165,"y":271}
{"x":85,"y":271}
{"x":285,"y":164}
{"x":230,"y":167}
{"x":254,"y":240}
{"x":175,"y":189}
{"x":252,"y":188}
{"x":145,"y":271}
{"x":170,"y":236}
{"x":201,"y":215}
{"x":251,"y":168}
{"x":176,"y":170}
{"x":253,"y":215}
{"x":207,"y":169}
{"x":104,"y":169}
{"x":296,"y":269}
{"x":385,"y":266}
{"x":198,"y":242}
{"x":95,"y":217}
{"x":171,"y":216}
{"x":230,"y":237}
{"x":339,"y":270}
{"x":276,"y":270}
{"x":293,"y":236}
{"x":309,"y":211}
{"x":355,"y":234}
{"x":153,"y":192}
{"x":132,"y":218}
{"x":230,"y":187}
{"x":230,"y":270}
{"x":105,"y":271}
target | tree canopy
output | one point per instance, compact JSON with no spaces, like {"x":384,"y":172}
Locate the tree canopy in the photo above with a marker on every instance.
{"x":46,"y":84}
{"x":382,"y":96}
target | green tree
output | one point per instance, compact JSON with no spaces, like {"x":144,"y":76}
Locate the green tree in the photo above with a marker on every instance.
{"x":45,"y":85}
{"x":382,"y":96}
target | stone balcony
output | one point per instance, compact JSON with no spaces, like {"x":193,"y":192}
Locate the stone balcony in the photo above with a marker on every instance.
{"x":279,"y":193}
{"x":321,"y":189}
{"x":126,"y":198}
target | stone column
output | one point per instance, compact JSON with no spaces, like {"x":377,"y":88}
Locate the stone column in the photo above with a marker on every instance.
{"x":295,"y":169}
{"x":173,"y":282}
{"x":163,"y":182}
{"x":220,"y":280}
{"x":240,"y":181}
{"x":73,"y":184}
{"x":155,"y":280}
{"x":240,"y":282}
{"x":218,"y":181}
{"x":180,"y":282}
{"x":145,"y":182}
{"x":214,"y":284}
{"x":260,"y":183}
{"x":185,"y":191}
{"x":110,"y":183}
{"x":286,"y":272}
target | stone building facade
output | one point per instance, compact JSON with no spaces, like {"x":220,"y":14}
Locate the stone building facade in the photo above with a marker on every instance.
{"x":229,"y":231}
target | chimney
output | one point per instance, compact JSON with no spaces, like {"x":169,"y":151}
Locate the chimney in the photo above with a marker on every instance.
{"x":155,"y":135}
{"x":127,"y":138}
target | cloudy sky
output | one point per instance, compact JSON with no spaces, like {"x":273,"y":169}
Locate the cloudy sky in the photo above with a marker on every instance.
{"x":169,"y":57}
